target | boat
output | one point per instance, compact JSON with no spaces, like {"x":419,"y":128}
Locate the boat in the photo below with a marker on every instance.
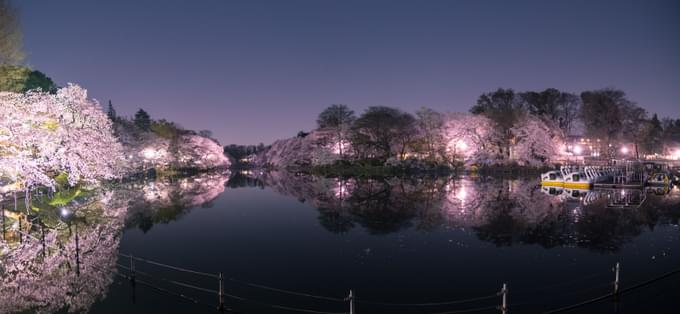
{"x":552,"y":178}
{"x":660,"y":179}
{"x":579,"y":179}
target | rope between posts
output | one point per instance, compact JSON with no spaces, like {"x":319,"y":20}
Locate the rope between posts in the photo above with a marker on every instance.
{"x":179,"y":283}
{"x":170,"y":266}
{"x":609,"y":295}
{"x":304,"y":310}
{"x":277,"y":306}
{"x":460,"y":301}
{"x":545,"y":289}
{"x":479,"y":309}
{"x":303,"y":294}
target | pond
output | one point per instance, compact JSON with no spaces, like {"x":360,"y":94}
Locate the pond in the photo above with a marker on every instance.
{"x":298,"y":244}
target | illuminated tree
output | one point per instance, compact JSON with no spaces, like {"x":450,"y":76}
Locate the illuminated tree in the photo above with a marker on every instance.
{"x":43,"y":135}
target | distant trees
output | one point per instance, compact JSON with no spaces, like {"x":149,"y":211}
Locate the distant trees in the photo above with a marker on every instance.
{"x":430,"y":124}
{"x":338,"y":118}
{"x":205,"y":133}
{"x":19,"y":79}
{"x":381,"y":130}
{"x":557,"y":108}
{"x":165,"y":129}
{"x":142,"y":120}
{"x":671,"y":134}
{"x":603,"y":114}
{"x":239,"y":152}
{"x":111,"y":112}
{"x":11,"y":50}
{"x":608,"y":115}
{"x":471,"y":137}
{"x":634,"y":126}
{"x":335,"y":116}
{"x":505,"y":108}
{"x":535,"y":142}
{"x":504,"y":126}
{"x":653,"y":136}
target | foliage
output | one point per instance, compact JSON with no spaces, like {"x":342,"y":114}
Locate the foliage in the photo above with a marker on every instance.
{"x":241,"y":151}
{"x":602,"y":113}
{"x":474,"y":138}
{"x":165,"y":129}
{"x":111,"y":112}
{"x":378,"y":130}
{"x":142,"y":120}
{"x":635,"y":124}
{"x":18,"y":79}
{"x":505,"y":108}
{"x":553,"y":106}
{"x":335,"y":116}
{"x":652,"y":136}
{"x":430,"y":124}
{"x":10,"y":35}
{"x":535,"y":142}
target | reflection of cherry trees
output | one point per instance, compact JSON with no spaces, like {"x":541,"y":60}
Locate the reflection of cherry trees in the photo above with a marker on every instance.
{"x":80,"y":254}
{"x":166,"y":199}
{"x":74,"y":272}
{"x":501,"y":211}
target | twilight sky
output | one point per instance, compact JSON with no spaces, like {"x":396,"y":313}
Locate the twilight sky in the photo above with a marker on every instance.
{"x":256,"y":71}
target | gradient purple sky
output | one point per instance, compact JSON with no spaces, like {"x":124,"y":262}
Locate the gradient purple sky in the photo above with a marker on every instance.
{"x":256,"y":71}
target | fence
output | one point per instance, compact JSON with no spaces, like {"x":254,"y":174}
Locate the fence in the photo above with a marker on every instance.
{"x":350,"y":302}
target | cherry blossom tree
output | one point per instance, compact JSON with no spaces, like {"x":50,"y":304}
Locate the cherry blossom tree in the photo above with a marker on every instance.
{"x":43,"y":135}
{"x":474,"y":137}
{"x":535,"y":142}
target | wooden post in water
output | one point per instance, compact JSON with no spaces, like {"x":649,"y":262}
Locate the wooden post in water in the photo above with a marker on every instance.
{"x":220,"y":278}
{"x":350,"y":298}
{"x":504,"y":299}
{"x":616,"y":269}
{"x":132,"y":269}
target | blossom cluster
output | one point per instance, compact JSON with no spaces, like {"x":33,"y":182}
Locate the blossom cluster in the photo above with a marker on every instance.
{"x":43,"y":135}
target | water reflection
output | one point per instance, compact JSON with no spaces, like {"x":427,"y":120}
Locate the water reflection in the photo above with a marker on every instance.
{"x":168,"y":199}
{"x":55,"y":258}
{"x":501,"y":211}
{"x":62,"y":256}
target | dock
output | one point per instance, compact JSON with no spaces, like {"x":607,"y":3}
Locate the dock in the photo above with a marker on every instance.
{"x":619,"y":185}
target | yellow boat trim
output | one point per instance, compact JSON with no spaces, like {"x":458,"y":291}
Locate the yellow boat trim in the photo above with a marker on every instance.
{"x":578,"y":185}
{"x":552,"y":183}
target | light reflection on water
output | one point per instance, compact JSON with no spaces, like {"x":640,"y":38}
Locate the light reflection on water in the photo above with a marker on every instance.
{"x":423,"y":215}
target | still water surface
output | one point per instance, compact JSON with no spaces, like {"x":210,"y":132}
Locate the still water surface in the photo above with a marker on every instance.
{"x":390,"y":241}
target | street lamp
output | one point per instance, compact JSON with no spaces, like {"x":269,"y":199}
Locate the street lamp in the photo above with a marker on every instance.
{"x":624,"y":150}
{"x":578,"y":150}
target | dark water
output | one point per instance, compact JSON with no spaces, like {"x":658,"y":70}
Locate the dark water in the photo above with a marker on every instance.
{"x":394,"y":241}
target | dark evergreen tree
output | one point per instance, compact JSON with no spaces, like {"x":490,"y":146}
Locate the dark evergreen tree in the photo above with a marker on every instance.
{"x":653,"y":136}
{"x":142,"y":120}
{"x":112,"y":112}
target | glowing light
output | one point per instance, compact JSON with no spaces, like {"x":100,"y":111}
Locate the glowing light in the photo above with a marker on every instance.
{"x":149,"y":153}
{"x":462,"y":194}
{"x":578,"y":150}
{"x":624,"y":150}
{"x":461,"y":145}
{"x":64,"y":212}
